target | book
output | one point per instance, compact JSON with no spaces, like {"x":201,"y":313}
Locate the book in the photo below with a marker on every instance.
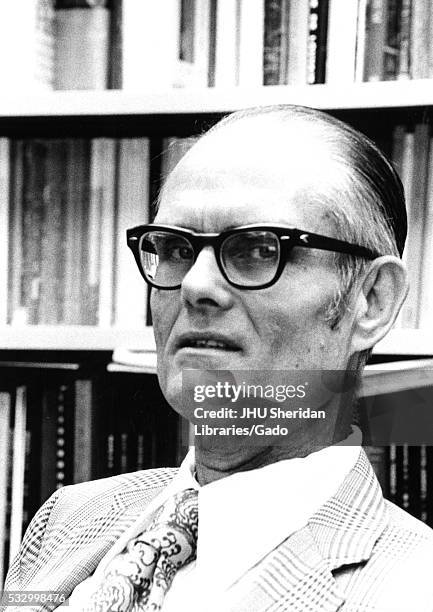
{"x":81,"y":47}
{"x":48,"y":452}
{"x":392,"y":45}
{"x":227,"y":43}
{"x":404,"y":64}
{"x":132,"y":209}
{"x":4,"y":223}
{"x":426,"y":263}
{"x":252,"y":14}
{"x":101,"y":228}
{"x":16,"y":313}
{"x":276,"y":42}
{"x":34,"y":165}
{"x":26,"y":35}
{"x":420,"y":39}
{"x":317,"y":41}
{"x":83,"y":452}
{"x":150,"y":44}
{"x":194,"y":44}
{"x":375,"y":34}
{"x":299,"y":25}
{"x":18,"y":467}
{"x":415,"y":171}
{"x":342,"y":36}
{"x":52,"y":252}
{"x":79,"y":299}
{"x":5,"y":435}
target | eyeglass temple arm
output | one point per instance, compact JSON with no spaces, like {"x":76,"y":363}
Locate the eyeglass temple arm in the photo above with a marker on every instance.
{"x":325,"y":243}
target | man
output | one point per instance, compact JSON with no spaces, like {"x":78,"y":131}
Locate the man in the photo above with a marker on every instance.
{"x":281,"y":526}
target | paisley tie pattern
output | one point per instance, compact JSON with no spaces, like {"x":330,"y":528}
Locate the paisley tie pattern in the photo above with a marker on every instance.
{"x":137,"y":579}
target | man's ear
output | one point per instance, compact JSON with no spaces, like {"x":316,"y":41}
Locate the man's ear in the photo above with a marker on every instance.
{"x":378,"y":301}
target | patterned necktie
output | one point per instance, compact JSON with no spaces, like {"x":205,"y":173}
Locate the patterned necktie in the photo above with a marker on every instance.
{"x":137,"y":579}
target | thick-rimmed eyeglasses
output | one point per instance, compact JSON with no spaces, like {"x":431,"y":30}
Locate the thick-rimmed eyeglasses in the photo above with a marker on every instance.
{"x":249,"y":257}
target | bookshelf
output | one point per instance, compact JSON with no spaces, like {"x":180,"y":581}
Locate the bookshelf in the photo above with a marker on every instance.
{"x":374,"y":107}
{"x":77,"y":358}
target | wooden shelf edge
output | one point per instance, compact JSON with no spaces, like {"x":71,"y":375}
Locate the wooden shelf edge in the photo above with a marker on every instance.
{"x":389,"y":94}
{"x":410,"y":342}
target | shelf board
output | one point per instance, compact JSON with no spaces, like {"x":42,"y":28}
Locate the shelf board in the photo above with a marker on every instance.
{"x":73,"y":338}
{"x":410,"y":342}
{"x":397,"y":376}
{"x":389,"y":94}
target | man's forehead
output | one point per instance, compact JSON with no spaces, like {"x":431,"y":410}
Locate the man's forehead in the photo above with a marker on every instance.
{"x":252,"y":161}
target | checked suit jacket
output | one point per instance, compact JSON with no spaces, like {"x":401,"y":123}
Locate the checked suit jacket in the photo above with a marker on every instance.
{"x":357,"y":553}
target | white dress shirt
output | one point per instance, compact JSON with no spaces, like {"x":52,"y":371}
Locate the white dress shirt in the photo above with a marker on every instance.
{"x":242,"y":518}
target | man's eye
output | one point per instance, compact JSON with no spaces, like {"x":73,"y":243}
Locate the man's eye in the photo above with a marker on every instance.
{"x":174,"y":251}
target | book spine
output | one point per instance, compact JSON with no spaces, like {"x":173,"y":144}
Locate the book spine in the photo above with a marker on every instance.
{"x":5,"y":410}
{"x":82,"y":39}
{"x":52,"y":239}
{"x":192,"y":67}
{"x":16,"y":311}
{"x":83,"y":431}
{"x":106,"y":190}
{"x":227,"y":43}
{"x":132,"y":209}
{"x":299,"y":18}
{"x":342,"y":31}
{"x":392,"y":46}
{"x":77,"y":298}
{"x":48,"y":444}
{"x":4,"y":225}
{"x":426,"y":284}
{"x":33,"y":218}
{"x":150,"y":51}
{"x":44,"y":44}
{"x":321,"y":41}
{"x":251,"y":43}
{"x":404,"y":66}
{"x":275,"y":46}
{"x":416,"y":202}
{"x":376,"y":22}
{"x":420,"y":39}
{"x":19,"y":454}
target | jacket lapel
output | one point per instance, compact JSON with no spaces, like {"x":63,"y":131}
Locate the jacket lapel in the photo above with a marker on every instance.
{"x":75,"y":549}
{"x":301,"y":574}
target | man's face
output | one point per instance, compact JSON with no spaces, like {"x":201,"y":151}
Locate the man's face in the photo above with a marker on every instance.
{"x":226,"y":182}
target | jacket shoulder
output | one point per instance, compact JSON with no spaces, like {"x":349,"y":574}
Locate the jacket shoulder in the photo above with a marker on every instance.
{"x":81,"y":517}
{"x":115,"y":491}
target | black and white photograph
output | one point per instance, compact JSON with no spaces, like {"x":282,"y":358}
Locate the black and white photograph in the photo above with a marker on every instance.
{"x":216,"y":324}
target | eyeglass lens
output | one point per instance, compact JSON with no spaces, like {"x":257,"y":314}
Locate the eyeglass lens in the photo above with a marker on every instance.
{"x":248,"y":258}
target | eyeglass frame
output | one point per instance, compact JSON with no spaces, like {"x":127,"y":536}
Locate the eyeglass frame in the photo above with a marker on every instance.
{"x":288,"y":238}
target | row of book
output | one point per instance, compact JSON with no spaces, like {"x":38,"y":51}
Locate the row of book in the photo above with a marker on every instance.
{"x":59,"y":427}
{"x":146,"y":46}
{"x":66,"y":203}
{"x":65,"y":207}
{"x":412,"y":154}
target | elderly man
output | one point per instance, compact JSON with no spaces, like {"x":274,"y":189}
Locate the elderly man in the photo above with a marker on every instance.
{"x":276,"y":245}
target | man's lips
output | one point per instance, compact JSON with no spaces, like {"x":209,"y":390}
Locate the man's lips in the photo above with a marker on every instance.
{"x":206,"y":340}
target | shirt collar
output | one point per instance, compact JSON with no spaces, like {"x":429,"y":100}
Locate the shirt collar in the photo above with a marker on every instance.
{"x":244,"y":516}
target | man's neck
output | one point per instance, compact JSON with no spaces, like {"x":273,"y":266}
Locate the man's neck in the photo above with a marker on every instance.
{"x":216,"y":462}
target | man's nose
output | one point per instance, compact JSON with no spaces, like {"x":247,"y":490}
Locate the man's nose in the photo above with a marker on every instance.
{"x":204,"y":285}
